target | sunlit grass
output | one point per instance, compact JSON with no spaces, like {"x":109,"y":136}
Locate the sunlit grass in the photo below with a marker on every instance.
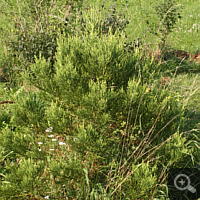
{"x":188,"y":87}
{"x":185,"y":37}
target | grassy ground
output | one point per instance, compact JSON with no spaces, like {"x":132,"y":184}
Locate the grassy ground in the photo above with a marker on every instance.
{"x":185,"y":37}
{"x":187,"y":85}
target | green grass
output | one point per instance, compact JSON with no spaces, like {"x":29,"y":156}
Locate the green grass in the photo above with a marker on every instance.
{"x":188,"y":87}
{"x":185,"y":37}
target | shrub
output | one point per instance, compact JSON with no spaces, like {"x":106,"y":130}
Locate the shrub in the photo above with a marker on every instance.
{"x":95,"y":149}
{"x":36,"y":31}
{"x":36,"y":28}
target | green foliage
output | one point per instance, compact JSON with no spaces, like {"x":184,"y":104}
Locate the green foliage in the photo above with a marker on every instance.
{"x":34,"y":43}
{"x":167,"y":16}
{"x":113,"y":127}
{"x":153,"y":104}
{"x":36,"y":31}
{"x":29,"y":110}
{"x":83,"y":109}
{"x":142,"y":182}
{"x":16,"y":141}
{"x":4,"y":117}
{"x":58,"y":118}
{"x":35,"y":28}
{"x":111,"y":20}
{"x":75,"y":59}
{"x":10,"y":70}
{"x":27,"y":171}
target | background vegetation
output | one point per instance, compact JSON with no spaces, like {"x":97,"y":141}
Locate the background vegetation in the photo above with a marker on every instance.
{"x":99,"y":99}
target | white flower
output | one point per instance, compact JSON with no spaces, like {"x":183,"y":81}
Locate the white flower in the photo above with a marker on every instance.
{"x":51,"y":149}
{"x":194,"y":25}
{"x":39,"y":150}
{"x":49,"y":129}
{"x":47,"y":197}
{"x":54,"y":139}
{"x":62,"y":143}
{"x":39,"y":142}
{"x":50,"y":135}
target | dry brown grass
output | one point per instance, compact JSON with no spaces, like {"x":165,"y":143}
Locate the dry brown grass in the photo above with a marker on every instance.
{"x":157,"y":55}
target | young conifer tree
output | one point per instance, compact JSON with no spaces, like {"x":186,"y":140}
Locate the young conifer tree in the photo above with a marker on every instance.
{"x":94,"y":149}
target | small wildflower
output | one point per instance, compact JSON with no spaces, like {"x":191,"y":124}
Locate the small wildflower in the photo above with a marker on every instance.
{"x":47,"y":197}
{"x":49,"y":129}
{"x":39,"y":149}
{"x":54,"y":139}
{"x":62,"y":143}
{"x":194,"y":25}
{"x":39,"y":142}
{"x":51,"y":149}
{"x":50,"y":136}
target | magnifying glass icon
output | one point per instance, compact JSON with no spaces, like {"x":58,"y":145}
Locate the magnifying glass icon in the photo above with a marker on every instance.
{"x":182,"y":182}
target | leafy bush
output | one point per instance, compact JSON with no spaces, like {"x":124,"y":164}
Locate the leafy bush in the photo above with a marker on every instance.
{"x":36,"y":31}
{"x":36,"y":28}
{"x":111,"y":20}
